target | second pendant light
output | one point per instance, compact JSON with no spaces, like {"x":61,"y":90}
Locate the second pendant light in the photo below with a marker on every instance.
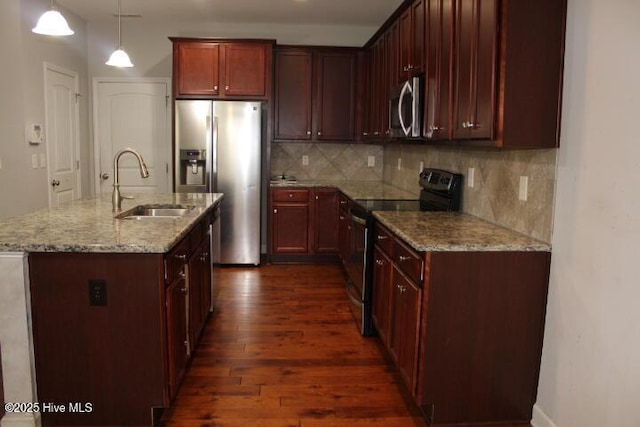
{"x":119,"y":57}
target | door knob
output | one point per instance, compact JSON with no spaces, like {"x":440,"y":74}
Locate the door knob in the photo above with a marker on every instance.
{"x":55,"y":183}
{"x":104,"y":176}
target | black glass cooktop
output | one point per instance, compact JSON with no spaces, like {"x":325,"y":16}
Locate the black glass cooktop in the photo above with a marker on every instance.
{"x":389,"y":205}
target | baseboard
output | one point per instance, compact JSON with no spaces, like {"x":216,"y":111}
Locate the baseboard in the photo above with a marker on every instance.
{"x":540,"y":419}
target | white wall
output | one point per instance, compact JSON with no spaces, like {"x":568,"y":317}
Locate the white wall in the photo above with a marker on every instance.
{"x":590,"y":372}
{"x":23,"y":188}
{"x":148,"y":45}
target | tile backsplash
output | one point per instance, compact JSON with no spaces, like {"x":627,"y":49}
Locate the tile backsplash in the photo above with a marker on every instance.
{"x":494,"y":196}
{"x":327,"y":161}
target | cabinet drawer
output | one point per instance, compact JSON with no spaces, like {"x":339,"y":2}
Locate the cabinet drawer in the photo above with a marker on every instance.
{"x":291,"y":195}
{"x":382,"y":238}
{"x":177,"y":257}
{"x":408,"y":261}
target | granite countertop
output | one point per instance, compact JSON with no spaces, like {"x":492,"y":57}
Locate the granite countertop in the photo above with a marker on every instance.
{"x":88,"y":225}
{"x":356,"y":190}
{"x":455,"y":231}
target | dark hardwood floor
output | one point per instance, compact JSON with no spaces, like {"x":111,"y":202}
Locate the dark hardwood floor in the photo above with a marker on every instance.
{"x":281,"y":349}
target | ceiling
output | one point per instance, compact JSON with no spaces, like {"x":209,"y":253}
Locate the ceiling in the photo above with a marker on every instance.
{"x":313,"y":12}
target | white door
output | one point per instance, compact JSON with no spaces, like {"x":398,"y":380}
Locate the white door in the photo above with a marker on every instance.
{"x":132,"y":113}
{"x":61,"y":127}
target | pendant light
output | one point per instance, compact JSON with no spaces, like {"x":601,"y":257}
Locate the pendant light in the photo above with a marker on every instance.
{"x":52,"y":23}
{"x":119,"y":57}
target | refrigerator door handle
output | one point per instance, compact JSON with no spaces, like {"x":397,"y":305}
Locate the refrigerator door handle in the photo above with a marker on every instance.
{"x":213,"y":182}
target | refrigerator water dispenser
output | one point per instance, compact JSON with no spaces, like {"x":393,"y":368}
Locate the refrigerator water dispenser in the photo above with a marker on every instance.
{"x":193,"y":168}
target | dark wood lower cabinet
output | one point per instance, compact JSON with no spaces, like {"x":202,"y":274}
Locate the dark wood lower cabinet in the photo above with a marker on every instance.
{"x":467,"y":339}
{"x":177,"y":337}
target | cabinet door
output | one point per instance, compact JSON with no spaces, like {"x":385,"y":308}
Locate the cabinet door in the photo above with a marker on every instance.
{"x":418,"y":35}
{"x":293,"y":99}
{"x":196,"y":285}
{"x":197,"y":69}
{"x":245,"y":69}
{"x":404,"y":326}
{"x":381,"y":294}
{"x":325,"y":227}
{"x":475,"y":68}
{"x":438,"y":102}
{"x":177,"y":341}
{"x":290,"y":228}
{"x":335,"y":100}
{"x":395,"y":68}
{"x":406,"y":48}
{"x":344,"y":235}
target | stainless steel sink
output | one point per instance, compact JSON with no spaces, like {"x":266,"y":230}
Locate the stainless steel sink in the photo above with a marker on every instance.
{"x":155,"y":211}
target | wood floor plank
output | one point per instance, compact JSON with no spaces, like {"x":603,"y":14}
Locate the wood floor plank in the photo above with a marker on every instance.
{"x":281,"y":349}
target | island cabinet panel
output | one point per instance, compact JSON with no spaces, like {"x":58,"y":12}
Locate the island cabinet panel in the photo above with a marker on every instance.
{"x":111,"y":355}
{"x":315,"y":93}
{"x":210,"y":68}
{"x":177,"y":331}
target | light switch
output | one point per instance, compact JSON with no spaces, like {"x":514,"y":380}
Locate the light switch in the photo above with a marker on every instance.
{"x":371,"y":161}
{"x":471,"y":177}
{"x":43,"y":160}
{"x":305,"y":160}
{"x":34,"y":161}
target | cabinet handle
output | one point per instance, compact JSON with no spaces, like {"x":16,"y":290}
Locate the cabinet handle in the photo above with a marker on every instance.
{"x":376,"y":133}
{"x":182,"y":274}
{"x":226,"y":88}
{"x":181,"y":256}
{"x":275,"y":211}
{"x":341,"y":218}
{"x":381,"y":237}
{"x":405,"y":68}
{"x":317,"y":197}
{"x":308,"y":132}
{"x":186,"y":343}
{"x":379,"y":262}
{"x":365,"y":133}
{"x":404,"y":258}
{"x":401,"y":289}
{"x":434,"y":128}
{"x":184,"y":290}
{"x":215,"y":87}
{"x":342,"y":202}
{"x":319,"y":133}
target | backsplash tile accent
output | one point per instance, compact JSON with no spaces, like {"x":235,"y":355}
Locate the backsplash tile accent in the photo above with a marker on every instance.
{"x":327,"y":161}
{"x":494,"y":197}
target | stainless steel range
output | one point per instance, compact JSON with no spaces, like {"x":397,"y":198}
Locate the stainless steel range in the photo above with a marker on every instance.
{"x":441,"y":191}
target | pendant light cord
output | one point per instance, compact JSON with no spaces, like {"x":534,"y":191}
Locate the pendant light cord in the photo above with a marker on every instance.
{"x":119,"y":27}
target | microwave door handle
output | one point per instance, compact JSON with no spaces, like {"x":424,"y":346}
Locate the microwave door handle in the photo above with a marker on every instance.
{"x":406,"y":88}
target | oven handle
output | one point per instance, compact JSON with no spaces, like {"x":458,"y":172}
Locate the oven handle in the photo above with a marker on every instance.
{"x":358,"y":220}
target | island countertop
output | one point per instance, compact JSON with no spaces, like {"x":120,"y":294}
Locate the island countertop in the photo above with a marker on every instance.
{"x":455,"y":231}
{"x":88,"y":225}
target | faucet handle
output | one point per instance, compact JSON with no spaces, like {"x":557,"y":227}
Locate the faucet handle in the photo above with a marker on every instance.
{"x":127,"y":197}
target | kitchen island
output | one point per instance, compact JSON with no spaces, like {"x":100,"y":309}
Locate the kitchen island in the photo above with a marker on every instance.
{"x":103,"y":311}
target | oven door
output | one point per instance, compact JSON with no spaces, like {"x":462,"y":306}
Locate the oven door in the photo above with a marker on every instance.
{"x":356,"y":266}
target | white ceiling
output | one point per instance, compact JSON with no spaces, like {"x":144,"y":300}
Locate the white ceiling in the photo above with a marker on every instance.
{"x":321,"y":12}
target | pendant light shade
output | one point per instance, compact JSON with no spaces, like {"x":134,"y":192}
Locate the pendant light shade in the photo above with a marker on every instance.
{"x":119,"y":57}
{"x":52,"y":23}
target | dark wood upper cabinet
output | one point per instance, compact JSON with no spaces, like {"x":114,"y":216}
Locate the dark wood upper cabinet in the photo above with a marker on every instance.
{"x":335,"y":102}
{"x":315,"y":93}
{"x":493,"y":69}
{"x":437,"y":112}
{"x":293,"y":94}
{"x":476,"y":23}
{"x":204,"y":68}
{"x":198,"y":68}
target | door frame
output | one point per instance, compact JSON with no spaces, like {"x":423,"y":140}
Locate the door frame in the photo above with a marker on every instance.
{"x":48,"y":66}
{"x":96,"y":142}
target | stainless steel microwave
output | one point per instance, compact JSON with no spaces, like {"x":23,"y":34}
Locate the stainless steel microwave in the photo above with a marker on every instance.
{"x":406,"y":109}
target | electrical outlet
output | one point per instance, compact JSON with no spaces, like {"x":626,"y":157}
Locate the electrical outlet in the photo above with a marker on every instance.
{"x":98,"y":292}
{"x":371,"y":161}
{"x":34,"y":161}
{"x":399,"y":163}
{"x":471,"y":177}
{"x":305,"y":160}
{"x":523,"y":190}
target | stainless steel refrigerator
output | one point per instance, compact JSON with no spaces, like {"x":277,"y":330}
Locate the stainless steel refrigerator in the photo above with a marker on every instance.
{"x":218,"y":150}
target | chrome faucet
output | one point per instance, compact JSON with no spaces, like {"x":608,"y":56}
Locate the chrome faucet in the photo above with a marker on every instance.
{"x":116,"y":197}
